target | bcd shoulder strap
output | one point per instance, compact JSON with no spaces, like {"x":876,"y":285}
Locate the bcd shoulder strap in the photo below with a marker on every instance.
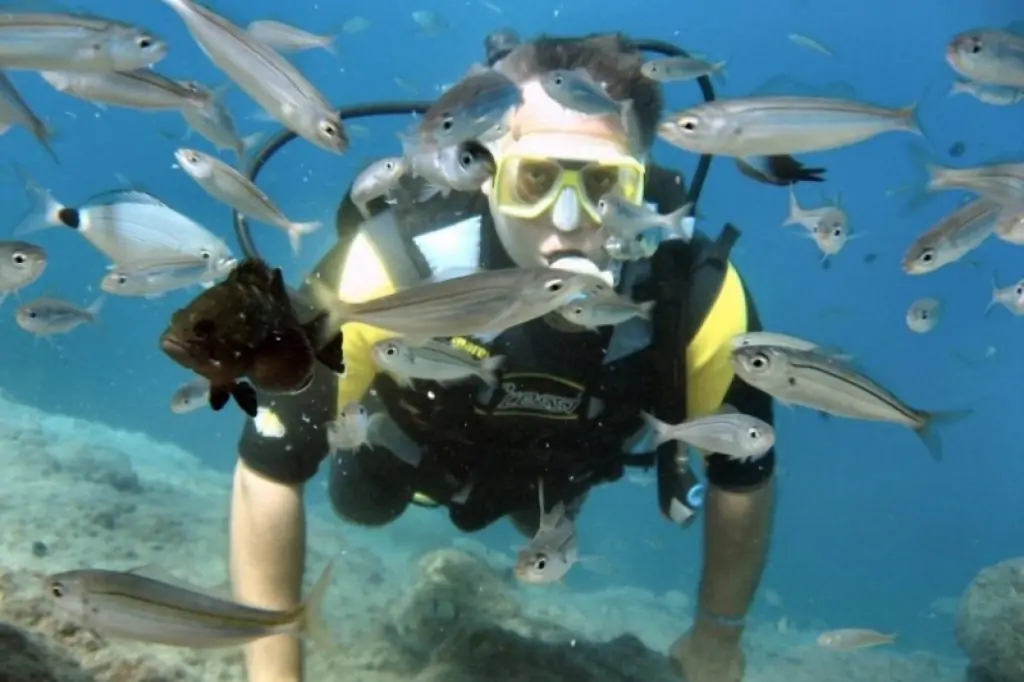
{"x":678,"y":270}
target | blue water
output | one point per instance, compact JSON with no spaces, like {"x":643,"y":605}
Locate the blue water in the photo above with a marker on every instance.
{"x":869,"y":529}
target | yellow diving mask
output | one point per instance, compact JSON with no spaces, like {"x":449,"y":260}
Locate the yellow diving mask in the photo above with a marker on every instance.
{"x":531,"y":176}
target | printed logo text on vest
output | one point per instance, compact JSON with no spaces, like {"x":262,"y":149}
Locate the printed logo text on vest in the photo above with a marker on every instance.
{"x":516,"y":399}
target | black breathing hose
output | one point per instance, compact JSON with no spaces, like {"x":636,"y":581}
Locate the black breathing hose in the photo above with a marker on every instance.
{"x":283,"y":137}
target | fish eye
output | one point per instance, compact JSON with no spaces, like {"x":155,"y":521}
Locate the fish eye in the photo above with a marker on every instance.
{"x":923,"y":314}
{"x":19,"y":258}
{"x":976,"y":46}
{"x":466,"y":159}
{"x":578,"y":310}
{"x":447,"y":123}
{"x":838,"y":232}
{"x":328,"y":128}
{"x":391,"y":350}
{"x":759,"y":361}
{"x":554,"y":286}
{"x":205,"y":255}
{"x":927,"y":256}
{"x":558,"y":79}
{"x":57,"y":590}
{"x":122,"y":279}
{"x":33,"y":314}
{"x":754,"y":433}
{"x":1020,"y":290}
{"x":362,"y":411}
{"x":389,"y":165}
{"x":688,"y":123}
{"x":144,"y":42}
{"x":602,"y":205}
{"x":204,"y":328}
{"x":540,"y":562}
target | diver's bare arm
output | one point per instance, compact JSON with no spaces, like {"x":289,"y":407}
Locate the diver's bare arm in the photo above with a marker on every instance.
{"x":737,"y":530}
{"x":268,"y":536}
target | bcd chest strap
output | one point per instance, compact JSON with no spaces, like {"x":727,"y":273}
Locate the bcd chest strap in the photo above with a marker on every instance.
{"x":681,"y":276}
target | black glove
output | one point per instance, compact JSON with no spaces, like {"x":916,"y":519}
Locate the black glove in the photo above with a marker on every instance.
{"x":779,"y":170}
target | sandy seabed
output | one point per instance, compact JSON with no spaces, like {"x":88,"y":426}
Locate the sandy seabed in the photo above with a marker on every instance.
{"x":76,"y":494}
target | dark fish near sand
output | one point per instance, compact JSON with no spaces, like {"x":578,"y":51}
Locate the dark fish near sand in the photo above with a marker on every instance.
{"x":246,"y":327}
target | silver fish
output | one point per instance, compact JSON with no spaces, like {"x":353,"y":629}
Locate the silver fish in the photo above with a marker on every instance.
{"x":635,"y":249}
{"x":353,"y":428}
{"x":748,"y":339}
{"x":355,"y":25}
{"x":623,"y":218}
{"x":826,"y":217}
{"x":156,"y":280}
{"x":675,"y":69}
{"x":431,"y":22}
{"x":14,"y":110}
{"x":226,"y":184}
{"x":923,"y":315}
{"x":462,"y":168}
{"x":191,"y":396}
{"x":952,"y":238}
{"x":828,"y":384}
{"x":1010,"y":297}
{"x":996,"y":95}
{"x":577,"y":90}
{"x":1002,"y":183}
{"x":131,"y":228}
{"x":21,"y":264}
{"x":132,"y":606}
{"x":140,"y":89}
{"x":266,"y":76}
{"x":479,"y":303}
{"x":1010,"y":227}
{"x":47,"y":316}
{"x":35,"y":41}
{"x":773,"y":126}
{"x":991,"y":56}
{"x":597,"y":312}
{"x":285,"y":38}
{"x":738,"y":436}
{"x":553,"y":550}
{"x":214,"y":121}
{"x":434,"y":361}
{"x":470,"y":108}
{"x":377,"y":180}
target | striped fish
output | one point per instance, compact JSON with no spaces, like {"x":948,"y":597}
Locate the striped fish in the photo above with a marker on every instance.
{"x":822,"y":382}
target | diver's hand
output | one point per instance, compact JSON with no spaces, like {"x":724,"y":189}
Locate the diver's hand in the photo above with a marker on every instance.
{"x":702,"y":656}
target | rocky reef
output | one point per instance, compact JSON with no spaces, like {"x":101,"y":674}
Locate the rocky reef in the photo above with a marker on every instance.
{"x":77,"y":494}
{"x":990,"y":624}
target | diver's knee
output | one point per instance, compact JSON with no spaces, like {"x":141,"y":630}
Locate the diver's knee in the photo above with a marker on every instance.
{"x":364,"y":490}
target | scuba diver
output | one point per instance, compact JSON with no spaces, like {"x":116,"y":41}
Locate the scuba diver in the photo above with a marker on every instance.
{"x":568,"y":405}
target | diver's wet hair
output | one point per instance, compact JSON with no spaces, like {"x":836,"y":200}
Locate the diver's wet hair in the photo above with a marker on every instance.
{"x":609,"y":58}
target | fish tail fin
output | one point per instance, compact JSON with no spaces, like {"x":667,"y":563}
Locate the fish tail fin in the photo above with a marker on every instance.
{"x":45,"y":135}
{"x":490,"y":367}
{"x":659,"y":427}
{"x":329,"y":45}
{"x":311,"y":619}
{"x":96,"y":306}
{"x":719,"y":72}
{"x":246,"y":145}
{"x":296,"y":231}
{"x":958,"y":87}
{"x":335,"y":311}
{"x":994,"y":300}
{"x":926,"y":170}
{"x":794,"y":209}
{"x":910,"y":116}
{"x":931,"y":422}
{"x":45,"y":210}
{"x":646,"y":310}
{"x":676,"y":222}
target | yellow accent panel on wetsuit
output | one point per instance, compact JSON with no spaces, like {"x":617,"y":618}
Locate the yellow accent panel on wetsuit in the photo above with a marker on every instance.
{"x":710,"y":372}
{"x":363,"y":278}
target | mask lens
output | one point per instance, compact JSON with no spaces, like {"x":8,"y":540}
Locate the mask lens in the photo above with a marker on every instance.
{"x":534,"y":180}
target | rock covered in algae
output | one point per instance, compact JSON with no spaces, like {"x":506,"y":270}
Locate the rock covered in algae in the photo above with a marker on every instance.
{"x":990,"y":623}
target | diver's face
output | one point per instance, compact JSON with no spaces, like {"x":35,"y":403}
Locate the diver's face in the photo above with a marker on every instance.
{"x":543,"y":127}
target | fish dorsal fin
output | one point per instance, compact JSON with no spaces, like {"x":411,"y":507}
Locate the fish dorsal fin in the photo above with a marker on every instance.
{"x":124,"y":196}
{"x":251,"y":271}
{"x":278,"y":289}
{"x":476,"y":69}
